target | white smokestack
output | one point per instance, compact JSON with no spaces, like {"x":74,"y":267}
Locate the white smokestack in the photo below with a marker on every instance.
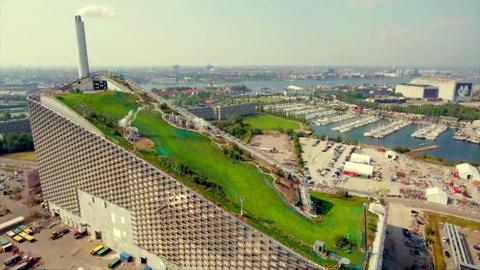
{"x":83,"y":71}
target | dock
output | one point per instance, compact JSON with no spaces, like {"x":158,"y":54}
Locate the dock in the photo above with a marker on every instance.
{"x":423,"y":148}
{"x":387,"y":129}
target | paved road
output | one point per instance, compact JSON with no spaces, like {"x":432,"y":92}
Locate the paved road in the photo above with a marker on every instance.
{"x":464,"y":212}
{"x":19,"y":163}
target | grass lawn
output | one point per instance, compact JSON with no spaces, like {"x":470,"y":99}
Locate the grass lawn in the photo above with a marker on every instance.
{"x":267,"y":122}
{"x":267,"y":209}
{"x":25,"y":156}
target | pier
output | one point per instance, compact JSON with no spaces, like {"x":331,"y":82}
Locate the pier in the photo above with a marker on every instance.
{"x":356,"y":124}
{"x":333,"y":119}
{"x":423,"y":148}
{"x":385,"y":130}
{"x":430,"y":132}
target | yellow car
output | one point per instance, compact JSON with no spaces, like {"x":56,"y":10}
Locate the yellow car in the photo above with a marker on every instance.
{"x":28,"y":231}
{"x":96,"y":249}
{"x":18,"y":238}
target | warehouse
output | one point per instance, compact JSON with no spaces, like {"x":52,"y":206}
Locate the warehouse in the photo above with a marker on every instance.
{"x":448,"y":89}
{"x":468,"y":172}
{"x":357,"y":169}
{"x":359,"y":158}
{"x":436,"y":195}
{"x":418,"y":91}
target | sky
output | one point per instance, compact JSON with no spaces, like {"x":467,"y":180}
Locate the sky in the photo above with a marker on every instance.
{"x":420,"y":33}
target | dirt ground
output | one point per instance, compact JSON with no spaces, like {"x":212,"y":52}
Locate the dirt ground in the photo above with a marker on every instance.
{"x":397,"y":255}
{"x":145,"y":144}
{"x":277,"y":146}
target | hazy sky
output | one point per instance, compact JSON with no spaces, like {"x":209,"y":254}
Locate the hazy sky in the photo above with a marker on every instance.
{"x":245,"y":32}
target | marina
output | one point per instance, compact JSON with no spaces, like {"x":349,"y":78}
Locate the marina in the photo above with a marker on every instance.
{"x":469,"y":134}
{"x":429,"y":132}
{"x":448,"y":148}
{"x":333,"y":119}
{"x":356,"y":124}
{"x":387,"y":129}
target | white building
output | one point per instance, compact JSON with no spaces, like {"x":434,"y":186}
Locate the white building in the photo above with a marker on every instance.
{"x":391,"y":155}
{"x":419,"y":91}
{"x":437,"y":195}
{"x":448,"y":89}
{"x":352,"y":168}
{"x":468,"y":172}
{"x":359,"y":158}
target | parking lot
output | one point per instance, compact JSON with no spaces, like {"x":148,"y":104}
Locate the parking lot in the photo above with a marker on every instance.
{"x":405,"y":246}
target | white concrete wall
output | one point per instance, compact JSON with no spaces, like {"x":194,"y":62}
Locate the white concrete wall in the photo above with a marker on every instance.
{"x":409,"y":91}
{"x":115,"y":225}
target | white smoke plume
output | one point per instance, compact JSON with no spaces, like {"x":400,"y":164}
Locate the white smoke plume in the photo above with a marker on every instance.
{"x":96,"y":11}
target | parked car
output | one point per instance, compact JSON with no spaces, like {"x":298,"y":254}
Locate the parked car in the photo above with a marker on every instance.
{"x":447,"y":254}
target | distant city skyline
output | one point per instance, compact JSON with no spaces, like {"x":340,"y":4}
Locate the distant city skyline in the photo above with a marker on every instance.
{"x":363,"y":33}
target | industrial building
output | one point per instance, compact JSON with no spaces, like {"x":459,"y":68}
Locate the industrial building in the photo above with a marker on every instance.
{"x":468,"y":172}
{"x":130,"y":205}
{"x":418,"y":91}
{"x":449,"y":89}
{"x":460,"y":253}
{"x":360,"y":158}
{"x":357,"y":169}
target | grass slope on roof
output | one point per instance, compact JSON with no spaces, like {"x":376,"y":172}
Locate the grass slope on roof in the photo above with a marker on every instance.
{"x":264,"y":205}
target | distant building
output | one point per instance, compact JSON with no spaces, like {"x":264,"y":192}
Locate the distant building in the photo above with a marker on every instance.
{"x":449,"y":89}
{"x":388,"y":100}
{"x":30,"y":87}
{"x":15,"y":125}
{"x":222,"y":112}
{"x":419,"y":91}
{"x":203,"y":111}
{"x":243,"y":109}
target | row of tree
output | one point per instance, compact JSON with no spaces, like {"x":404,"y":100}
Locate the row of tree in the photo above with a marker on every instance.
{"x":16,"y":142}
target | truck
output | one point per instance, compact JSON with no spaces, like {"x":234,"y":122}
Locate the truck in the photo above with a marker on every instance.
{"x":60,"y":233}
{"x":12,"y":260}
{"x":79,"y":233}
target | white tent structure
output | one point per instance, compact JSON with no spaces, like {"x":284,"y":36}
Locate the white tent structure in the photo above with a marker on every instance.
{"x":391,"y":155}
{"x":468,"y":172}
{"x":437,"y":195}
{"x":352,"y":168}
{"x":359,"y":158}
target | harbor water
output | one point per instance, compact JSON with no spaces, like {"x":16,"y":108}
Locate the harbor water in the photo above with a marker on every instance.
{"x":448,"y":148}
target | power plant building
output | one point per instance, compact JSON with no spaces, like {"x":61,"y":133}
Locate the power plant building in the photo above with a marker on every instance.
{"x":449,"y":89}
{"x":131,"y":205}
{"x":417,"y":91}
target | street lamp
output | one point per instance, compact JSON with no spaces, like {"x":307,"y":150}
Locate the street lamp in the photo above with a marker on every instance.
{"x":242,"y":199}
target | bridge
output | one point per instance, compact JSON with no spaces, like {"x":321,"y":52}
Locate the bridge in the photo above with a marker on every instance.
{"x":303,"y":190}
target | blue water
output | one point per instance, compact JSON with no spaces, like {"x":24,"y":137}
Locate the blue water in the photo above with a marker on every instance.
{"x":449,"y":148}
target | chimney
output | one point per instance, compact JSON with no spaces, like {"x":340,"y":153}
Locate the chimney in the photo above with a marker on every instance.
{"x":83,"y":71}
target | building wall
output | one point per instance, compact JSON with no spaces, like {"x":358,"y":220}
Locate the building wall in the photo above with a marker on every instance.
{"x":410,"y":91}
{"x":168,"y":219}
{"x":448,"y":88}
{"x":227,"y":111}
{"x":205,"y":112}
{"x":15,"y":125}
